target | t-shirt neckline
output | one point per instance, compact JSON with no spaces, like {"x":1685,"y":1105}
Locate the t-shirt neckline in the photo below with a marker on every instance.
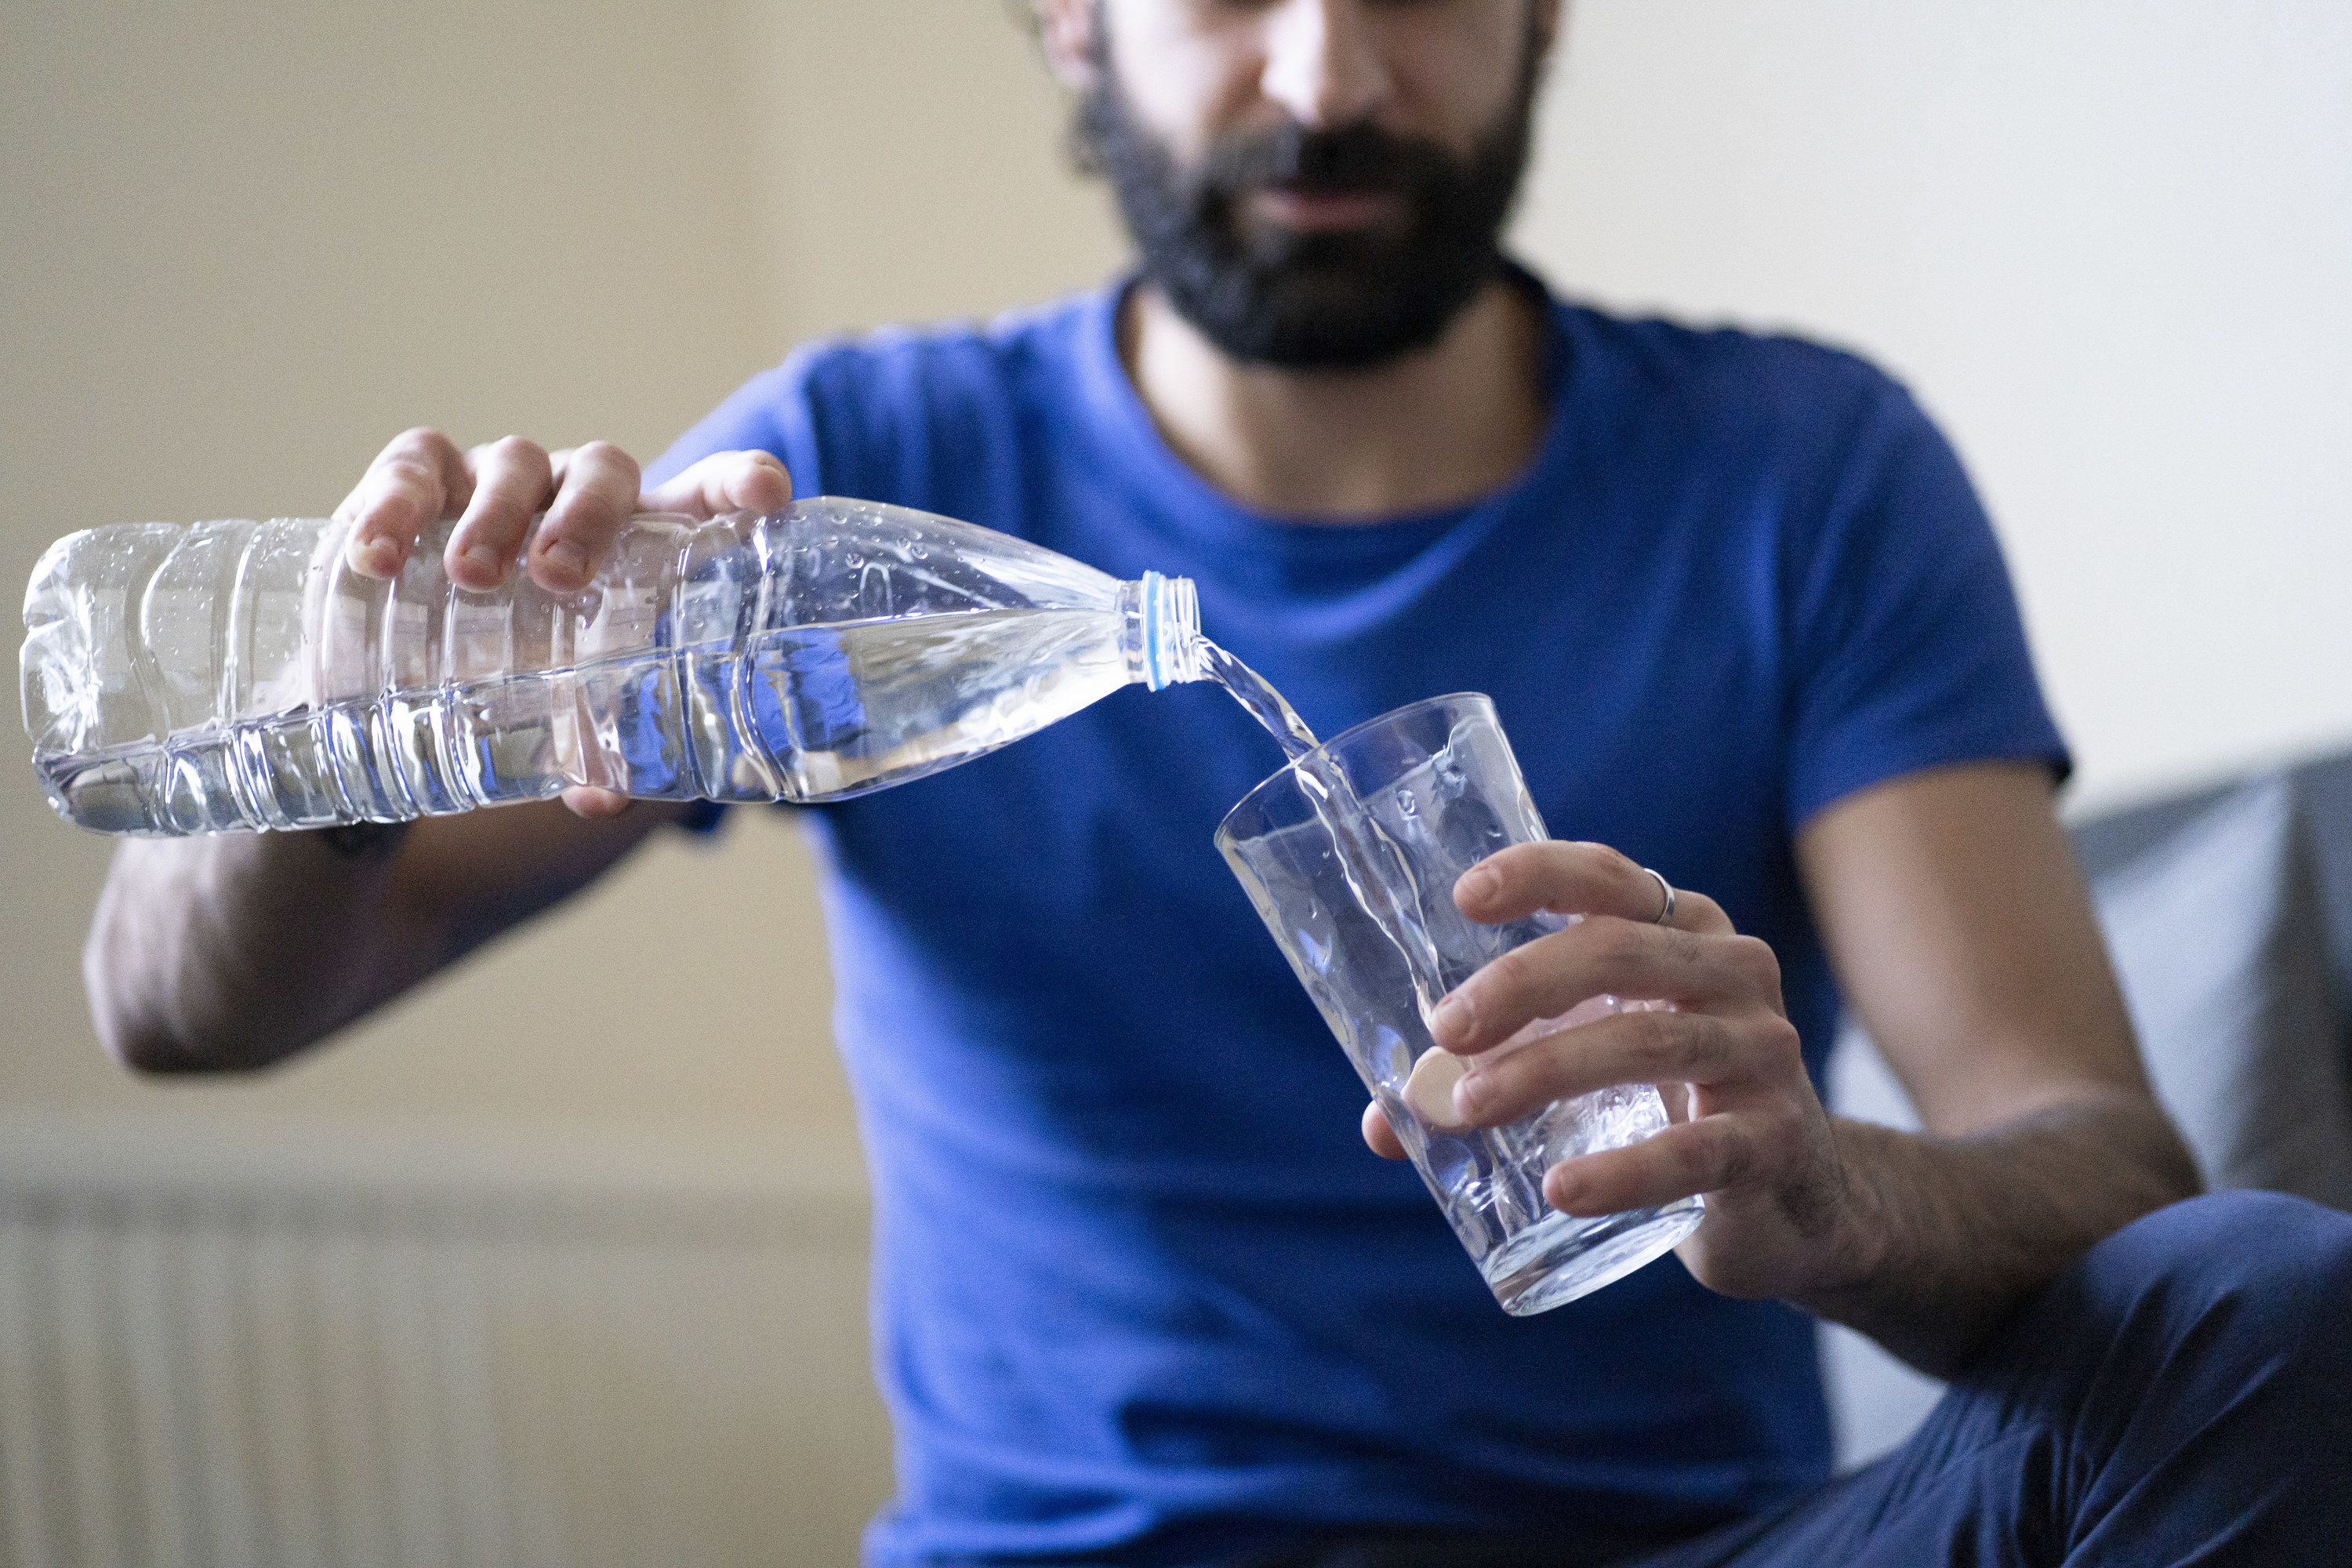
{"x":1207,"y":515}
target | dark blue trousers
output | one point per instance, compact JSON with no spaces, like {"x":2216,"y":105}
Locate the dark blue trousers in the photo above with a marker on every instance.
{"x":2181,"y":1394}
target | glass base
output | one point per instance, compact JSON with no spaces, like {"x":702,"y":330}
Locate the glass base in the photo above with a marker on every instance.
{"x":1564,"y":1257}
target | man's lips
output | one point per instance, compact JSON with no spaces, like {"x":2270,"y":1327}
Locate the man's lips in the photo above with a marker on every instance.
{"x":1296,"y":208}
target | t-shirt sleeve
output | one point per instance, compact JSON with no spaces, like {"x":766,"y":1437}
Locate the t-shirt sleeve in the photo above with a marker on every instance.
{"x":770,"y":413}
{"x":1907,"y":650}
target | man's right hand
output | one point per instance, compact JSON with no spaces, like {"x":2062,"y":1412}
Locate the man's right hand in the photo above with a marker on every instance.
{"x":493,"y":491}
{"x":237,"y":948}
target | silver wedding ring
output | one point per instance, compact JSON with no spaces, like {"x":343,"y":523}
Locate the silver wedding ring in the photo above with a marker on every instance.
{"x":1667,"y":911}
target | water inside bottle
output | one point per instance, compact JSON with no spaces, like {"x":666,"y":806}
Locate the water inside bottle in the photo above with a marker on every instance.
{"x":801,"y":714}
{"x":240,"y":674}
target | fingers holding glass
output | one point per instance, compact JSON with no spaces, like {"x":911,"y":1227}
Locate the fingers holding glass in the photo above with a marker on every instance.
{"x":1584,"y":880}
{"x":1546,"y":978}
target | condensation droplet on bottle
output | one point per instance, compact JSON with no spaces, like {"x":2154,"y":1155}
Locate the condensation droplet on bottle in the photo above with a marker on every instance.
{"x":873,"y":589}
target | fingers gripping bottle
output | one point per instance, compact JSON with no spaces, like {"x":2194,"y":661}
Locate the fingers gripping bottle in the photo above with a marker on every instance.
{"x":241,"y":675}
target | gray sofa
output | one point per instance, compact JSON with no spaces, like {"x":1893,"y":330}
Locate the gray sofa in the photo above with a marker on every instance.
{"x":2228,"y":911}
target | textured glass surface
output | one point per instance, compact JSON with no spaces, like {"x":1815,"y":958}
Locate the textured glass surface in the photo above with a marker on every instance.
{"x":1350,"y":855}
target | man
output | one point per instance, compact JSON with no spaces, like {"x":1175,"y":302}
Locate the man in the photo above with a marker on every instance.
{"x":1137,"y":1301}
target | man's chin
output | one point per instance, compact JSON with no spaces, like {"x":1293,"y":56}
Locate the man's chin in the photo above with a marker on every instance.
{"x":1327,"y":332}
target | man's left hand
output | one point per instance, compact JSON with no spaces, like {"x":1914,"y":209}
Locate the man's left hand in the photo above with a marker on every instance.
{"x":1749,"y":1131}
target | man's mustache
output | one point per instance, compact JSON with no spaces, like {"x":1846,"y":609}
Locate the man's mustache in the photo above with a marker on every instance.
{"x":1352,"y":159}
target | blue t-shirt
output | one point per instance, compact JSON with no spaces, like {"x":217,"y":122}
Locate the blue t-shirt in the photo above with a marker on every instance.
{"x":1141,"y":1293}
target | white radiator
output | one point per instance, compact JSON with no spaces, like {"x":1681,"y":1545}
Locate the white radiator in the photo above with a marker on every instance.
{"x":428,"y":1351}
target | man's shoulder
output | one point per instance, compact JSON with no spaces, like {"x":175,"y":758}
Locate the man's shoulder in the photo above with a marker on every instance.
{"x":1731,"y":404}
{"x":940,"y":417}
{"x":892,"y":364}
{"x":1726,"y":367}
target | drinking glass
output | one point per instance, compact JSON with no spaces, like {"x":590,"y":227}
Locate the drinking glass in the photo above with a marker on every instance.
{"x":1350,"y":855}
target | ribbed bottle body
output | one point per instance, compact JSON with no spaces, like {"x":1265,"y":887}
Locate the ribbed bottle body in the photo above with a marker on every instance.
{"x":241,"y":675}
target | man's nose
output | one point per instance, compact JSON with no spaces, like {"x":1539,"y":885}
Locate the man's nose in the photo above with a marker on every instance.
{"x":1322,"y":62}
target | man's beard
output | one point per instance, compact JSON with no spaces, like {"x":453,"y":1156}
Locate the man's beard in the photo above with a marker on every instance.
{"x":1333,"y":299}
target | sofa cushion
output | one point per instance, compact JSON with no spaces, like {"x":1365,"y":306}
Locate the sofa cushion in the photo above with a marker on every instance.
{"x":2219,"y":936}
{"x":2218,"y":918}
{"x":2221,"y":939}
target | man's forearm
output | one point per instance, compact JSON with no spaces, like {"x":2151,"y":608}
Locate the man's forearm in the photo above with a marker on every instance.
{"x":232,"y":952}
{"x":236,"y":950}
{"x":1949,"y":1235}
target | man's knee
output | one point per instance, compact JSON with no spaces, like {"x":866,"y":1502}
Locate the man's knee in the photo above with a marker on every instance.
{"x":2257,"y":1278}
{"x":2264,"y":1244}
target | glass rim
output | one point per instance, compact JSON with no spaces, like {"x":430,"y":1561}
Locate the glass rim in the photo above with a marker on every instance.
{"x":1378,"y":721}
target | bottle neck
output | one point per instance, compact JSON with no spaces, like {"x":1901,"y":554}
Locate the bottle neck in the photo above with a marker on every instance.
{"x":1163,"y":640}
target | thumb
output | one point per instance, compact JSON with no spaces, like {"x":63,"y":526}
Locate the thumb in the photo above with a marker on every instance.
{"x":724,"y":482}
{"x":588,"y":801}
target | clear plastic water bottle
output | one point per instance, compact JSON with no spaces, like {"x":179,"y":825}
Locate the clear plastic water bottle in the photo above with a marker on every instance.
{"x":241,"y":675}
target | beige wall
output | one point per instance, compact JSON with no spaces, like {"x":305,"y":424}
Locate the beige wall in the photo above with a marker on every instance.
{"x":2105,"y":240}
{"x":240,"y":245}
